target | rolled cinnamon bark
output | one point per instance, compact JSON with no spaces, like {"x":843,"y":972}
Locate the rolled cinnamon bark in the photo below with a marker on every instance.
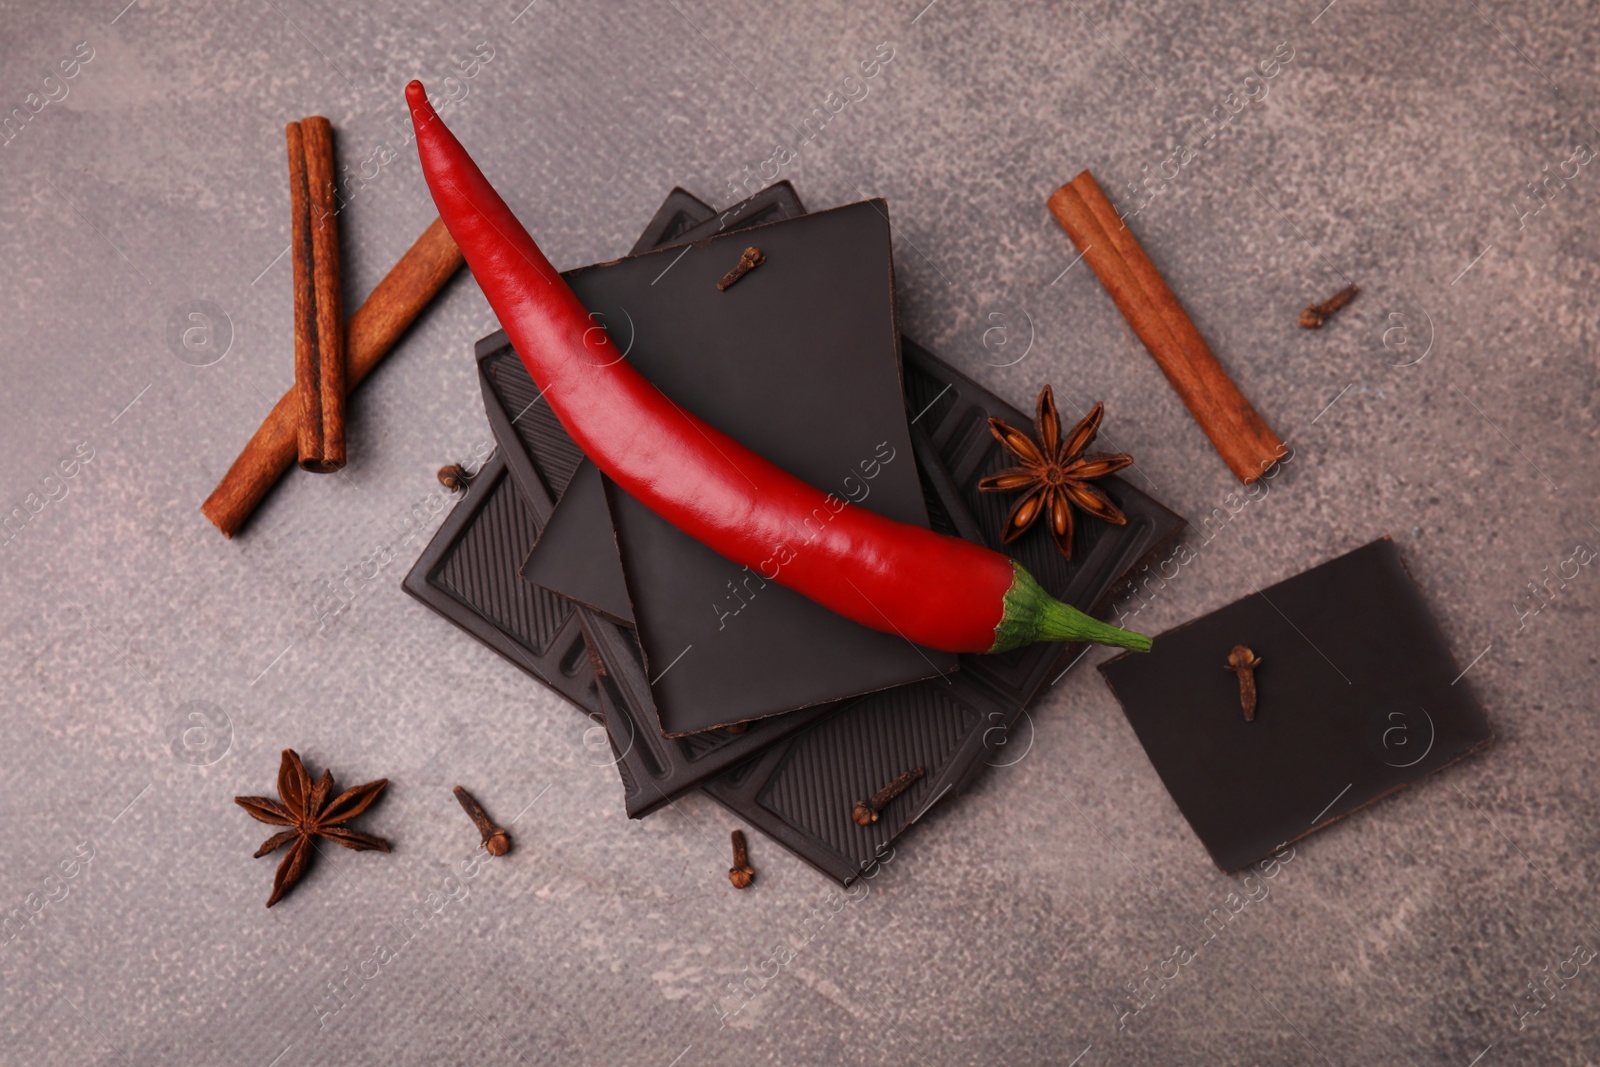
{"x":369,"y":335}
{"x":1240,"y":435}
{"x":318,"y":302}
{"x":322,"y":435}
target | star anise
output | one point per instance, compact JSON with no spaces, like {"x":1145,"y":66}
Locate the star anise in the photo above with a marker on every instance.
{"x":1055,"y":473}
{"x":304,"y":807}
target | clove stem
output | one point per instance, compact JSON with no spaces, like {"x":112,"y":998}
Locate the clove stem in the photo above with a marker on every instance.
{"x":1316,"y":314}
{"x":865,"y":813}
{"x":496,"y":841}
{"x":751,"y":259}
{"x":741,"y":874}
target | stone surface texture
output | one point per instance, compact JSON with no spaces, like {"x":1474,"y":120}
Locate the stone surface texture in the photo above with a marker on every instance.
{"x":1058,"y":912}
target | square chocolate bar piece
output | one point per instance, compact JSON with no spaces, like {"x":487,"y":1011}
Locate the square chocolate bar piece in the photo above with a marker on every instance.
{"x":799,"y":361}
{"x":1357,"y":696}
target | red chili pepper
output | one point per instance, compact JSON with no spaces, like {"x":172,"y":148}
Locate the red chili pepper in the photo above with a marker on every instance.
{"x":938,"y":591}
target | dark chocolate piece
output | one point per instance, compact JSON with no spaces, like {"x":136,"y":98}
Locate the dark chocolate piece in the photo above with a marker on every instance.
{"x":585,"y":565}
{"x":1359,"y":696}
{"x":819,"y":395}
{"x":576,"y":554}
{"x":466,"y":575}
{"x":801,"y":792}
{"x":654,"y":768}
{"x":776,"y":202}
{"x":680,"y":212}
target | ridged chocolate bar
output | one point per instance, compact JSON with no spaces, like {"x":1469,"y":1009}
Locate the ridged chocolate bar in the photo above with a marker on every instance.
{"x":469,"y":571}
{"x":801,"y":792}
{"x":468,"y":574}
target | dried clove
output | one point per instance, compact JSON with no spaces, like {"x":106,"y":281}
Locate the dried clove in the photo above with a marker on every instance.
{"x":496,"y":841}
{"x":1243,"y":662}
{"x":865,"y":813}
{"x":741,"y":874}
{"x":751,"y":259}
{"x":1316,"y":314}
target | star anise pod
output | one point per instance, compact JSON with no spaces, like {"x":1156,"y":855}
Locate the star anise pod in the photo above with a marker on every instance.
{"x":1055,"y":473}
{"x":304,"y":807}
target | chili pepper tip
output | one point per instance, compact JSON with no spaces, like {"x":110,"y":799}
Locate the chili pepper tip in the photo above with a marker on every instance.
{"x":416,"y":95}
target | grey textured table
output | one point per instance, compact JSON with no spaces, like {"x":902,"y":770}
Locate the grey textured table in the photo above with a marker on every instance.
{"x":152,"y":670}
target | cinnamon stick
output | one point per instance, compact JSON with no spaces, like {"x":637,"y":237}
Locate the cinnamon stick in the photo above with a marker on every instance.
{"x":1239,"y":434}
{"x":319,"y":371}
{"x":369,"y":335}
{"x":318,"y":301}
{"x":305,"y":301}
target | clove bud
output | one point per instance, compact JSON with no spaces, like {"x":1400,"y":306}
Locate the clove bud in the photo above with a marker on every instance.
{"x":1243,"y":662}
{"x":865,"y":813}
{"x":1316,"y":314}
{"x":496,"y":841}
{"x":741,"y":874}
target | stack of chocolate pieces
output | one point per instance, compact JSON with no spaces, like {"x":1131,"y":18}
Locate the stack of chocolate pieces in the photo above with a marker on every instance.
{"x":708,"y":675}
